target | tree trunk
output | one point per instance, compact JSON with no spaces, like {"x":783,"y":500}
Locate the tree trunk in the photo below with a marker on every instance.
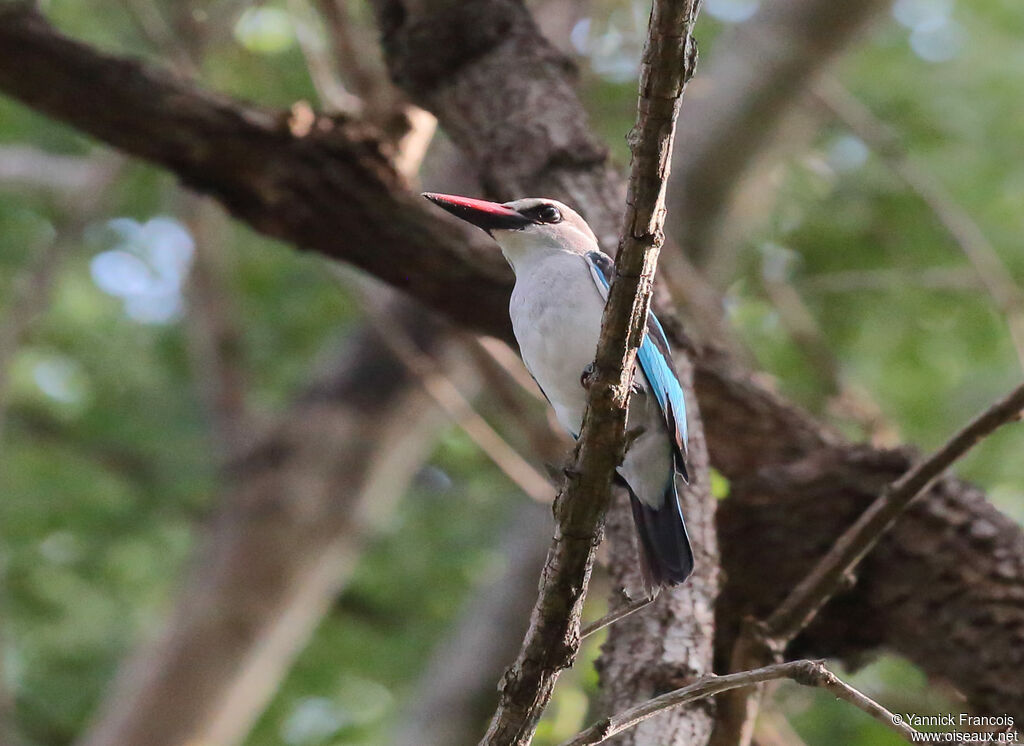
{"x":303,"y":503}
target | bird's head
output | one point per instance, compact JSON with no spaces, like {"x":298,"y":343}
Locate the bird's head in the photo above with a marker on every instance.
{"x":524,"y":228}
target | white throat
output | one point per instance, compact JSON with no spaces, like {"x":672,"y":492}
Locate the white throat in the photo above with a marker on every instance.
{"x":524,"y":248}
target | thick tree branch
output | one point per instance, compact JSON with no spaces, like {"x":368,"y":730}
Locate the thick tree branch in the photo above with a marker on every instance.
{"x":326,"y":185}
{"x":553,"y":638}
{"x":944,"y":588}
{"x":526,"y":132}
{"x":751,"y":431}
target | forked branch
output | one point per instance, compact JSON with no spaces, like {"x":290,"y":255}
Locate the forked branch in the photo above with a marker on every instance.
{"x":760,"y":642}
{"x":553,"y":637}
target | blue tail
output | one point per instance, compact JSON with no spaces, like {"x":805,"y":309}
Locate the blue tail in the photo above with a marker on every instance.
{"x":667,"y":556}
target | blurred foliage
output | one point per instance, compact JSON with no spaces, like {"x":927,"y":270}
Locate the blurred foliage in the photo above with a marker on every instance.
{"x":107,"y":467}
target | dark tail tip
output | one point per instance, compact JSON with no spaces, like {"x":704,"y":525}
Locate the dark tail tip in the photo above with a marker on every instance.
{"x":667,"y":555}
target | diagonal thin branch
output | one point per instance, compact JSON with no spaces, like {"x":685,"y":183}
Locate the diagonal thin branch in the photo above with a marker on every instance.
{"x":760,"y":642}
{"x":553,"y":638}
{"x":615,"y":615}
{"x":844,"y":399}
{"x":804,"y":672}
{"x":827,"y":577}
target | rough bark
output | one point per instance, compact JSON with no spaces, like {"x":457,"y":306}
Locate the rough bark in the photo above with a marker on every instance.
{"x":306,"y":182}
{"x":764,"y":639}
{"x":668,"y":644}
{"x":304,"y":501}
{"x":748,"y":426}
{"x":753,"y":434}
{"x":445,"y":55}
{"x":553,"y":638}
{"x":945,"y":588}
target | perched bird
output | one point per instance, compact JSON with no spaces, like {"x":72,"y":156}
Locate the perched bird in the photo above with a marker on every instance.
{"x":562,"y":281}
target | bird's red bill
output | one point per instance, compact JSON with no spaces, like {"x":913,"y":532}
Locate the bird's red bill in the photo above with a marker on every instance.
{"x":479,"y":205}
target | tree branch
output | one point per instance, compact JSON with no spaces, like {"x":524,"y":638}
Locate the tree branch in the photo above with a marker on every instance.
{"x":821,"y":584}
{"x":553,"y":638}
{"x":213,"y":333}
{"x":804,"y":672}
{"x":761,"y":641}
{"x":446,"y":395}
{"x":309,"y":183}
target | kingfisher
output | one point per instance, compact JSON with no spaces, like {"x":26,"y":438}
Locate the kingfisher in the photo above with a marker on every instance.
{"x":562,"y":282}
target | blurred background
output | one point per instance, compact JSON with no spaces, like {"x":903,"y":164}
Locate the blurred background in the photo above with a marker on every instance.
{"x":157,"y":357}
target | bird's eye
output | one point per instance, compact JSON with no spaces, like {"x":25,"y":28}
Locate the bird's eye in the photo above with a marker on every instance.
{"x":549,"y":214}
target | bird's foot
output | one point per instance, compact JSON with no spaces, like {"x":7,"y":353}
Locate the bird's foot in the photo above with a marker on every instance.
{"x":587,"y":376}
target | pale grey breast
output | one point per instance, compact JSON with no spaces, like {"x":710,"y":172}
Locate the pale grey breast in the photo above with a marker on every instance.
{"x":556,"y":316}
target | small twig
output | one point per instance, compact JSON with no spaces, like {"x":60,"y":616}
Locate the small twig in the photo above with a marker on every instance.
{"x":614,"y":616}
{"x":547,"y":439}
{"x":506,"y":358}
{"x":447,"y":396}
{"x":155,"y":29}
{"x":803,"y":672}
{"x":759,"y":642}
{"x":212,"y":332}
{"x":407,"y":127}
{"x":807,"y":335}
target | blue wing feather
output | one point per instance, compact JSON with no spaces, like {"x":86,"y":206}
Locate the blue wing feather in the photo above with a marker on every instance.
{"x":655,"y":360}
